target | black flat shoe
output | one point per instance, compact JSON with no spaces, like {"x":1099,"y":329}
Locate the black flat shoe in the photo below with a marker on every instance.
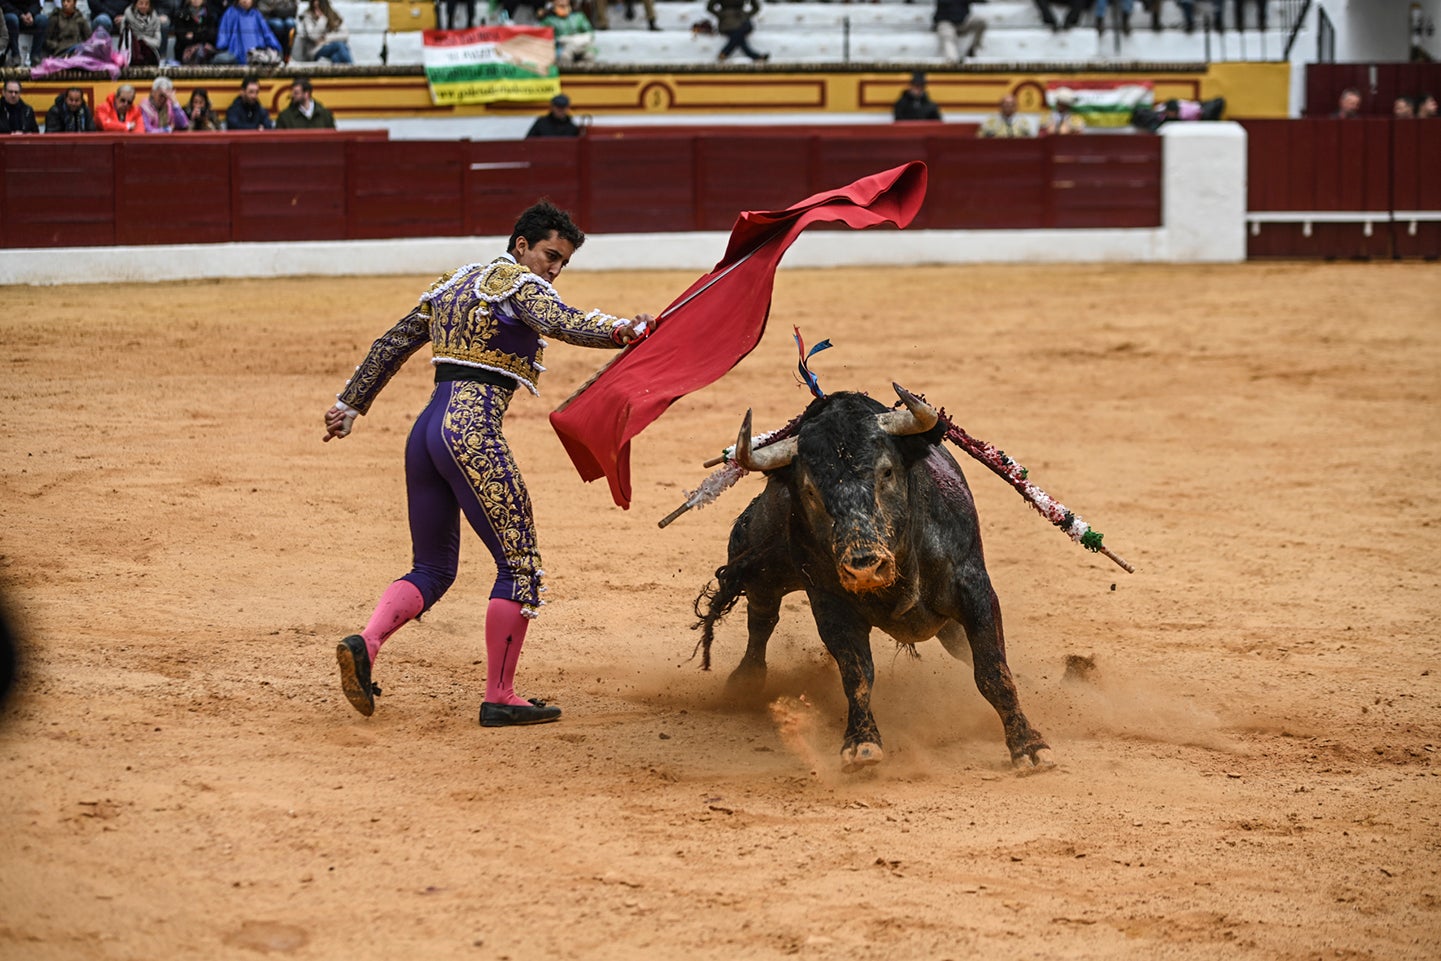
{"x":354,"y":660}
{"x":506,"y":715}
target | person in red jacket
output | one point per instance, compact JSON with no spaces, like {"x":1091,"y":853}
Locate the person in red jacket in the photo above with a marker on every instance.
{"x":118,"y":114}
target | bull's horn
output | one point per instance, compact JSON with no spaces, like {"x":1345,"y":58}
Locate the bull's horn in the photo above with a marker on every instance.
{"x":771,"y":457}
{"x":917,"y":418}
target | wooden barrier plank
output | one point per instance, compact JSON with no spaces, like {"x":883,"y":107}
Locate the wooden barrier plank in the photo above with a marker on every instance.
{"x":641,"y":185}
{"x":748,"y":172}
{"x":171,"y":191}
{"x":405,"y":189}
{"x":979,"y":184}
{"x":58,"y":191}
{"x":286,"y":189}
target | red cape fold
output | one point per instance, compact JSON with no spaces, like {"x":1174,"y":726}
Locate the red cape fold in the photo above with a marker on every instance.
{"x":714,"y":324}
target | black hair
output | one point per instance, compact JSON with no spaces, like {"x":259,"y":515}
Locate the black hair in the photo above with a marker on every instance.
{"x":248,"y":80}
{"x":541,"y":220}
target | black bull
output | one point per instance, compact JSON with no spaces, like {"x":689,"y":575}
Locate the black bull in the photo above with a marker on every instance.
{"x":871,"y":517}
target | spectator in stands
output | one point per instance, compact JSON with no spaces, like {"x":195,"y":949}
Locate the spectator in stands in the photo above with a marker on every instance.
{"x":280,"y":17}
{"x":556,"y":122}
{"x":1074,"y":9}
{"x":242,"y":31}
{"x":24,"y":16}
{"x":450,"y":8}
{"x":1426,"y":107}
{"x":4,"y":41}
{"x":246,"y":111}
{"x":574,"y":38}
{"x":1063,"y":119}
{"x":68,"y":29}
{"x":953,"y":20}
{"x":16,"y":116}
{"x":915,"y":103}
{"x":320,"y":34}
{"x":1007,"y":123}
{"x":118,"y":114}
{"x":602,"y":13}
{"x":70,"y":114}
{"x":304,"y":112}
{"x":735,"y":21}
{"x":1348,"y":105}
{"x":106,"y":15}
{"x":1126,"y":6}
{"x":1188,"y":11}
{"x":1241,"y":14}
{"x":200,"y":113}
{"x":161,"y":112}
{"x":1402,"y":109}
{"x":197,"y":26}
{"x":144,"y":31}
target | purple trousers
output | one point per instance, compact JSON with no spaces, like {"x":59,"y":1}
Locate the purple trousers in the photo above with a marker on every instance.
{"x":458,"y":462}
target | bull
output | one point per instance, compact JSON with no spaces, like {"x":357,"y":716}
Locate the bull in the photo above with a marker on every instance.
{"x":871,"y":517}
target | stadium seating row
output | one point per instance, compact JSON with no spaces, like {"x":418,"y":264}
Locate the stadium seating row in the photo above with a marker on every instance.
{"x":890,"y":31}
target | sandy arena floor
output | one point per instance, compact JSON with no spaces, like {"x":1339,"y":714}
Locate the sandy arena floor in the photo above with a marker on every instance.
{"x":1254,"y":770}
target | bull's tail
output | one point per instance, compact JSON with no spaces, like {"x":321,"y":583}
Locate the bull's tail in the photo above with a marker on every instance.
{"x":718,"y":600}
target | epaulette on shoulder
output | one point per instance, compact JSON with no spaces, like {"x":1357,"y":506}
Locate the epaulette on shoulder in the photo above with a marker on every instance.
{"x":502,"y":278}
{"x":443,"y":283}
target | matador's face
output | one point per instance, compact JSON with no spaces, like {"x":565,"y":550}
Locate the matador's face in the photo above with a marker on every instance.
{"x":545,"y":258}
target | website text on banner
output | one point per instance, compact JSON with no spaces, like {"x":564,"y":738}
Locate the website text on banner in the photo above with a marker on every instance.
{"x":484,"y":64}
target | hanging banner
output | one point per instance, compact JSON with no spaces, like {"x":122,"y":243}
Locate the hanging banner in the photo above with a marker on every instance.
{"x":1103,"y":103}
{"x":484,"y":64}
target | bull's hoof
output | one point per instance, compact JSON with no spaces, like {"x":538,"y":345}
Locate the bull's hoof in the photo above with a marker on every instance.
{"x":1034,"y":762}
{"x":859,"y":756}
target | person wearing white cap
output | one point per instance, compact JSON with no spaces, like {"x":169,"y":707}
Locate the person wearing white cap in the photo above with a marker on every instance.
{"x":1063,"y":120}
{"x":556,"y":122}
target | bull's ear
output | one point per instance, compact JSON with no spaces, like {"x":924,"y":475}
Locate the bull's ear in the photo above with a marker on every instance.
{"x":917,"y":418}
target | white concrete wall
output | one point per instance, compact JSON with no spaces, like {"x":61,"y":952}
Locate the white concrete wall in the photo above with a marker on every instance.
{"x":1203,"y":220}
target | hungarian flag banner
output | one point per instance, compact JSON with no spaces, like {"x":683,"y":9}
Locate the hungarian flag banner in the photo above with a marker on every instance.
{"x":714,"y":324}
{"x":483,"y":64}
{"x":1104,"y":103}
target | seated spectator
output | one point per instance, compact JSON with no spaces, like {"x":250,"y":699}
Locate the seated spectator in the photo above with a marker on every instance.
{"x":1426,"y":107}
{"x":200,"y":113}
{"x":574,"y":38}
{"x":106,"y":15}
{"x":68,"y":29}
{"x":161,"y":112}
{"x":320,"y":34}
{"x":1188,"y":11}
{"x":280,"y":17}
{"x":602,"y":13}
{"x":197,"y":26}
{"x":118,"y":114}
{"x":915,"y":103}
{"x":304,"y":112}
{"x":143,"y":32}
{"x":1348,"y":105}
{"x":24,"y":16}
{"x":246,"y":111}
{"x":1063,"y":120}
{"x":70,"y":114}
{"x":1007,"y":123}
{"x":16,"y":116}
{"x":953,"y":20}
{"x":450,"y":7}
{"x":1402,"y":109}
{"x":244,"y":35}
{"x":735,"y":21}
{"x":1126,"y":6}
{"x":556,"y":123}
{"x":1241,"y":14}
{"x":1074,"y":9}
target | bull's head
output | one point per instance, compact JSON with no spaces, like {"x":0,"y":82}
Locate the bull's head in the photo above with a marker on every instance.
{"x":851,"y":486}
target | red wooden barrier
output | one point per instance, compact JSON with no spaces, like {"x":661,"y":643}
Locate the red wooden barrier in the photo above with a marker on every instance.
{"x":259,"y":187}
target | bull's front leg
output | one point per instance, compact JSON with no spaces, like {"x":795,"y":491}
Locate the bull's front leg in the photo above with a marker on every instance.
{"x":981,"y":618}
{"x":747,"y":682}
{"x":848,"y":637}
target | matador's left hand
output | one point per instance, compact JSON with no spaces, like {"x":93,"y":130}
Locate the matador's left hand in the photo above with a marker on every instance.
{"x":338,"y":421}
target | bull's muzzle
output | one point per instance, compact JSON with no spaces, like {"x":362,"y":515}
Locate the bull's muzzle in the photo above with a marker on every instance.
{"x":866,"y":568}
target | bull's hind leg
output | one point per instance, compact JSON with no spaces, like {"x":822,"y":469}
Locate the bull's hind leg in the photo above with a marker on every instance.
{"x":981,"y":617}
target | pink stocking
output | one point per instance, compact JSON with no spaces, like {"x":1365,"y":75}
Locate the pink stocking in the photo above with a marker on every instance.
{"x":400,"y":603}
{"x":504,"y":634}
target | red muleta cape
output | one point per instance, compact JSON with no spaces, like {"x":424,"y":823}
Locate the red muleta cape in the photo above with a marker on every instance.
{"x":714,"y":324}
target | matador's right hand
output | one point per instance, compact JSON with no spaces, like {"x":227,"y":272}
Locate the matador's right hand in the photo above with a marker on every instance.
{"x":338,"y":421}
